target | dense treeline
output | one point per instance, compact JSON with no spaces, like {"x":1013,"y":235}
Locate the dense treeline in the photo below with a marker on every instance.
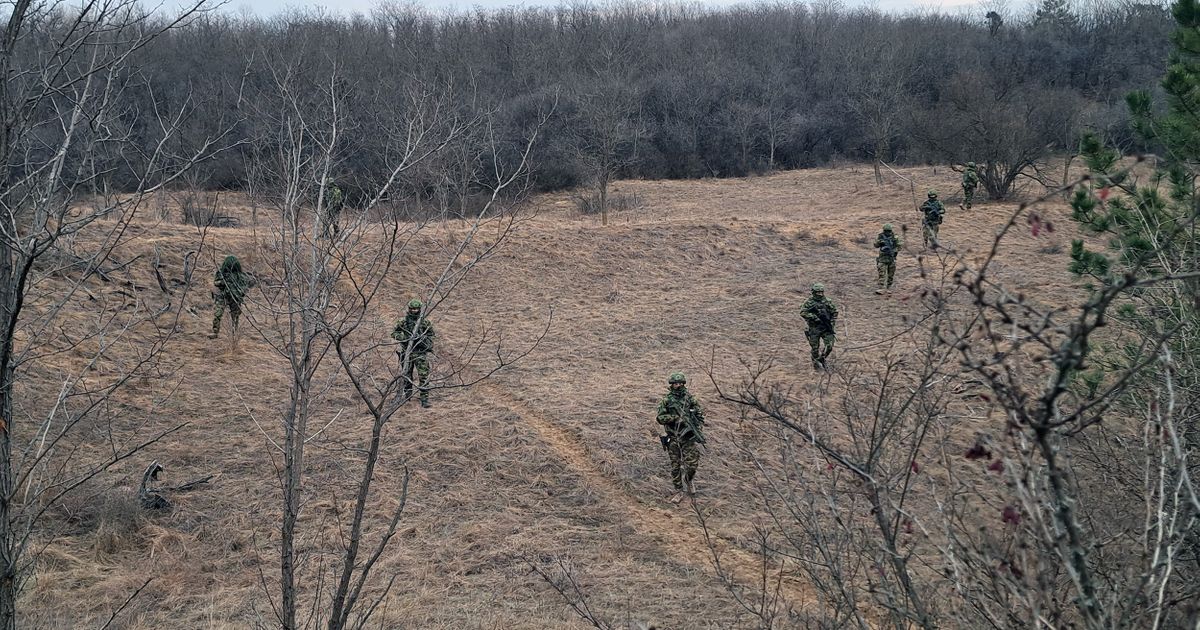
{"x":663,"y":91}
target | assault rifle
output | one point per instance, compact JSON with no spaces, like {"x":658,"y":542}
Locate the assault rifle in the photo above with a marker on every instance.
{"x":888,"y":248}
{"x":821,"y":318}
{"x":688,"y":423}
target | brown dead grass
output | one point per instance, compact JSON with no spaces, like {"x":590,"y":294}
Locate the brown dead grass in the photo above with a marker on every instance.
{"x":551,"y":457}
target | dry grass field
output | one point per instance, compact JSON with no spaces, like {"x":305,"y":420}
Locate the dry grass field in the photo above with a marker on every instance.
{"x":553,"y":457}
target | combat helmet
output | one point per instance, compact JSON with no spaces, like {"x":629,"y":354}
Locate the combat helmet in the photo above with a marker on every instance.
{"x":970,"y":165}
{"x":415,"y":303}
{"x":818,"y":288}
{"x":676,"y":377}
{"x":932,"y":194}
{"x":887,"y":227}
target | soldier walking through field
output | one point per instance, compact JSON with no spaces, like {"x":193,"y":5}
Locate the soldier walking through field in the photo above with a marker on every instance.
{"x":888,"y":245}
{"x":821,"y":315}
{"x":415,"y":334}
{"x":931,"y":221}
{"x":970,"y":181}
{"x":230,"y":285}
{"x":683,"y":419}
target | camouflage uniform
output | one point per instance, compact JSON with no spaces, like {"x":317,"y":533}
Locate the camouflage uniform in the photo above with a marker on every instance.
{"x":889,"y":245}
{"x":333,"y":208}
{"x":932,"y":221}
{"x":970,"y":181}
{"x":230,"y":285}
{"x":680,"y":414}
{"x":422,"y":345}
{"x":821,"y":315}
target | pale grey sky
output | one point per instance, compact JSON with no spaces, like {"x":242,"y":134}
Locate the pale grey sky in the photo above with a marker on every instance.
{"x":270,"y":7}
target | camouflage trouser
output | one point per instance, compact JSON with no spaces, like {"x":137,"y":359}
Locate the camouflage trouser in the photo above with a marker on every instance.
{"x":419,"y":364}
{"x":814,"y":342}
{"x":887,"y":271}
{"x":329,"y":226}
{"x":931,"y":232}
{"x":220,"y":301}
{"x":968,"y":196}
{"x":685,"y":458}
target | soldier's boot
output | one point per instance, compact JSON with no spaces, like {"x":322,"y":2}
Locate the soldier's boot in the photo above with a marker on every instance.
{"x":689,"y":484}
{"x":214,"y":333}
{"x":879,"y":291}
{"x":425,"y":400}
{"x":677,"y":492}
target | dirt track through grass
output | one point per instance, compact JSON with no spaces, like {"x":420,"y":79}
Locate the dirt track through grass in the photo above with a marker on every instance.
{"x":674,"y":529}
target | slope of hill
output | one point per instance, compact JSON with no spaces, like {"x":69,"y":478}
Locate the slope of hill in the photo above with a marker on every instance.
{"x":551,"y":459}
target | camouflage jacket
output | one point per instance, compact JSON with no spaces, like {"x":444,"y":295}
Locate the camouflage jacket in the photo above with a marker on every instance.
{"x":232,"y":283}
{"x":934,"y":211}
{"x":970,"y":178}
{"x":682,"y":416}
{"x":333,"y":201}
{"x":888,"y":244}
{"x":423,"y":343}
{"x":820,"y":314}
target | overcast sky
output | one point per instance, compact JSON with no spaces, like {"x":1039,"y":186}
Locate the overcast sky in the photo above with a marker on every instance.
{"x":269,"y":7}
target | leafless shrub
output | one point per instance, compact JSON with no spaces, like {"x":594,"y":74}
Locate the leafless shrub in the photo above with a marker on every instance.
{"x":202,"y":209}
{"x":197,"y":210}
{"x":562,"y":576}
{"x":589,"y":204}
{"x":988,"y":479}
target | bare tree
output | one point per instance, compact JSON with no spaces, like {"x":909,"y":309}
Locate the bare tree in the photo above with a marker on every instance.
{"x":325,"y":302}
{"x":66,"y":84}
{"x":607,"y":131}
{"x":878,"y":73}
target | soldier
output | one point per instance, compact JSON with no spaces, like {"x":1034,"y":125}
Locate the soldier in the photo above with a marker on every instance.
{"x":230,"y":285}
{"x":418,"y":332}
{"x":932,"y":221}
{"x":821,"y":315}
{"x":970,"y":182}
{"x":682,"y":417}
{"x":888,"y":245}
{"x":333,"y":208}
